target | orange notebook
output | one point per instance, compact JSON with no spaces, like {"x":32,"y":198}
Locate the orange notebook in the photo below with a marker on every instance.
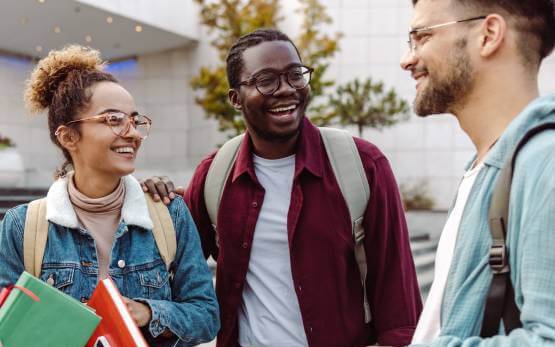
{"x":117,"y":328}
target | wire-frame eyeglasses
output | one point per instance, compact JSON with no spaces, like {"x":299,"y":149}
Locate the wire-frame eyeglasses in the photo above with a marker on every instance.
{"x":120,"y":122}
{"x":413,"y":39}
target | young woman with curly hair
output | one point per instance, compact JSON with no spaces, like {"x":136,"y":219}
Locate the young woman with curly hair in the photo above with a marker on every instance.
{"x":99,"y":223}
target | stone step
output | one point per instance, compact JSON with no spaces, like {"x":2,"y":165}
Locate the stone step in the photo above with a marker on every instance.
{"x":424,"y":262}
{"x":423,"y":247}
{"x":22,"y":191}
{"x":419,"y":236}
{"x":11,"y":197}
{"x":425,"y":280}
{"x":9,"y":201}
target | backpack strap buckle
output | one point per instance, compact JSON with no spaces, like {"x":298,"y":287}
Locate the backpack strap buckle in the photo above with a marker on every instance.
{"x":498,"y":259}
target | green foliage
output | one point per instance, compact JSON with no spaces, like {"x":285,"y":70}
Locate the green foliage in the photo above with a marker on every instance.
{"x":416,"y":196}
{"x":366,"y":104}
{"x":230,"y":19}
{"x":5,"y":142}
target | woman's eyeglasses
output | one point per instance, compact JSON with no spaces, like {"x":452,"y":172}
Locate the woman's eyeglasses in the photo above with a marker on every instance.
{"x":120,"y":122}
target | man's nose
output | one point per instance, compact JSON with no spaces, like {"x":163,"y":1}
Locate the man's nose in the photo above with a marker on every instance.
{"x":408,"y":60}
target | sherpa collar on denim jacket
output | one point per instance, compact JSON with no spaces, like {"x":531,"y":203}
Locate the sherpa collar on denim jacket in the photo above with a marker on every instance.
{"x":60,"y":210}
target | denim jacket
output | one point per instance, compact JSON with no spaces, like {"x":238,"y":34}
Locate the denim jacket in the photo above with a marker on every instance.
{"x":184,"y":303}
{"x":530,"y":242}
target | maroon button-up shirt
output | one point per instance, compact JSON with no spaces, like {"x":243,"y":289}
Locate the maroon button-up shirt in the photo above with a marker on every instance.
{"x":323,"y":266}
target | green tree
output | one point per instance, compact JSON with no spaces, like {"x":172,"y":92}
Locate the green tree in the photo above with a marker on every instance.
{"x":228,"y":20}
{"x":366,"y":104}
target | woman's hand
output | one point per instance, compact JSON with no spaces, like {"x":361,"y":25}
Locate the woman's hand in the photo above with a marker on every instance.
{"x":139,"y":312}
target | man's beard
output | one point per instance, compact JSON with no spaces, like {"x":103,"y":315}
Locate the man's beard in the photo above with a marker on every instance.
{"x":443,"y":96}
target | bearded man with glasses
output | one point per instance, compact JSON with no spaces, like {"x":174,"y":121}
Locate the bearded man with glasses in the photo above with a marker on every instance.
{"x":287,"y":270}
{"x":494,"y":280}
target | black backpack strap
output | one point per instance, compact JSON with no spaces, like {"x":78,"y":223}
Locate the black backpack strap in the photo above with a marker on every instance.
{"x":500,"y":303}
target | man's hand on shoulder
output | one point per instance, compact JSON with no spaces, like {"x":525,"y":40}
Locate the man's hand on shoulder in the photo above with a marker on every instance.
{"x":161,"y":188}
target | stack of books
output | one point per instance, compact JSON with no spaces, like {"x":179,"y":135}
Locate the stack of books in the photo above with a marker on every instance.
{"x":40,"y":315}
{"x":117,"y":328}
{"x":33,"y":313}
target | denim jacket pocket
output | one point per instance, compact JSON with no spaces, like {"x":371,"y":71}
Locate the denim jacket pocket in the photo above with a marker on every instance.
{"x":155,"y":282}
{"x":59,"y":277}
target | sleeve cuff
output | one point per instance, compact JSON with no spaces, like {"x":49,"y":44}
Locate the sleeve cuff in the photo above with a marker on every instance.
{"x":158,"y":322}
{"x":396,"y":337}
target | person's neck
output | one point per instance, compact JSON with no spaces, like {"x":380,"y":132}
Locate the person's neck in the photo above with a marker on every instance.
{"x":273,"y":149}
{"x":94,"y":186}
{"x":492,"y":105}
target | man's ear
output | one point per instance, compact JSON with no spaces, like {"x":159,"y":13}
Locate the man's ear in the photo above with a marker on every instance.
{"x":67,"y":137}
{"x":493,"y":35}
{"x":235,"y":99}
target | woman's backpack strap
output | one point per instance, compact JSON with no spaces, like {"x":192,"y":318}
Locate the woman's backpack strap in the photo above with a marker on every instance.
{"x":35,"y":235}
{"x":162,"y":230}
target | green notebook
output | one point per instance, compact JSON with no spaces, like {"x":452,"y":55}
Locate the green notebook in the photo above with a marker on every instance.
{"x":55,"y":320}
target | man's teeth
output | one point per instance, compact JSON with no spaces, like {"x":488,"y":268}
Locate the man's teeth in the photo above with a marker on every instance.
{"x":283,"y":109}
{"x":124,"y":150}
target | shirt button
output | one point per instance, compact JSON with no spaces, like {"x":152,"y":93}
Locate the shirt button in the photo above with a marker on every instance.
{"x":254,"y":204}
{"x":300,"y":289}
{"x":121,"y":263}
{"x":237,"y":285}
{"x":245,"y":245}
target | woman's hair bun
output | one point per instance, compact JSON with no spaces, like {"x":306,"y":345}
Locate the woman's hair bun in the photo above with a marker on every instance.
{"x":54,"y":69}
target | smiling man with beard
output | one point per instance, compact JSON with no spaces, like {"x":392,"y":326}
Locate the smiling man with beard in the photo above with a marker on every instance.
{"x":479,"y":60}
{"x":287,"y":273}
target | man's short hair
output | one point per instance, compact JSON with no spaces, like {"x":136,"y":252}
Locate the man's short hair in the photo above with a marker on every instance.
{"x":234,"y":60}
{"x":534,"y":20}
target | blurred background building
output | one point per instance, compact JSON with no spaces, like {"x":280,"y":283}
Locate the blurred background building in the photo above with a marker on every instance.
{"x":155,"y":48}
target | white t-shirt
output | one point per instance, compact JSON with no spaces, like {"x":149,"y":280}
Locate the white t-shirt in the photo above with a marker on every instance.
{"x":428,"y":326}
{"x":270,"y":315}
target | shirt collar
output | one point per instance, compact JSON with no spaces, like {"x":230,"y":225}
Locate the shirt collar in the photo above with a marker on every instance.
{"x":308,"y":153}
{"x":534,"y":114}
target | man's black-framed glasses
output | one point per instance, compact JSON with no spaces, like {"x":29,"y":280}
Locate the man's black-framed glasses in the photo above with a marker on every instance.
{"x":268,"y":82}
{"x":413,"y":34}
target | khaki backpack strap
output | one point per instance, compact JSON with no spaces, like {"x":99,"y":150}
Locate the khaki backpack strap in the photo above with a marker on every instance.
{"x":217,"y":176}
{"x":351,"y":177}
{"x":35,"y":236}
{"x":162,"y":230}
{"x":500,"y":302}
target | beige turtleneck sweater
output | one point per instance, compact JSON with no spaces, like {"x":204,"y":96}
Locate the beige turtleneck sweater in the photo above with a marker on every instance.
{"x":100,"y":218}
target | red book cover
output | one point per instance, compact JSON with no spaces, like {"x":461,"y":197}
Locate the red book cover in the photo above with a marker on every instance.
{"x":117,"y":328}
{"x":4,"y":295}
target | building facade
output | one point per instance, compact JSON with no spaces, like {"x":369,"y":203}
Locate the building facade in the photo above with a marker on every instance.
{"x":155,"y":51}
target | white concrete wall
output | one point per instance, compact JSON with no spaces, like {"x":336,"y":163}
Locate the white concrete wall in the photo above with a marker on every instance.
{"x":178,"y":16}
{"x":432,"y":149}
{"x":180,"y":135}
{"x":28,"y":133}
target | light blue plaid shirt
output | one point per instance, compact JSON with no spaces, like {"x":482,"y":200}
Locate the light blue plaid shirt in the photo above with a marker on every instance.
{"x":531,"y":242}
